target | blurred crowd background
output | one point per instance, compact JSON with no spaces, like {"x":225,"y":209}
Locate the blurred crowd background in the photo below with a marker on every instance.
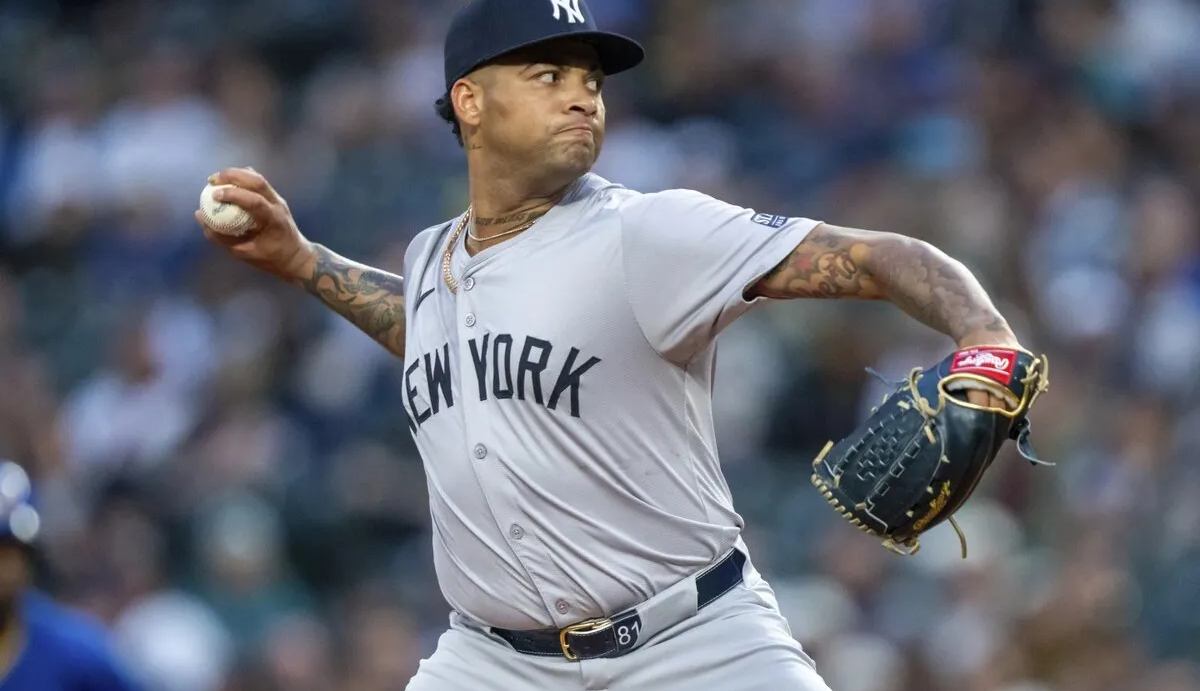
{"x":223,"y":468}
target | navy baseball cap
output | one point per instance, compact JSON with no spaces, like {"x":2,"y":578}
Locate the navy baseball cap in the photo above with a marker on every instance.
{"x":487,"y":29}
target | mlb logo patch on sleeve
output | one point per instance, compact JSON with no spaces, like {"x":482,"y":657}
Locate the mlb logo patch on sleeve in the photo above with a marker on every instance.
{"x":771,"y":220}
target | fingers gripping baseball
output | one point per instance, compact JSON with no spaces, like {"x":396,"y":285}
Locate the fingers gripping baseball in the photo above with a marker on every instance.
{"x":248,"y":179}
{"x":273,"y":243}
{"x":247,"y":189}
{"x":253,"y":202}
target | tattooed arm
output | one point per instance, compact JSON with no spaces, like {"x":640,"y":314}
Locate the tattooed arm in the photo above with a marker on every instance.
{"x":922,"y":280}
{"x":371,"y":299}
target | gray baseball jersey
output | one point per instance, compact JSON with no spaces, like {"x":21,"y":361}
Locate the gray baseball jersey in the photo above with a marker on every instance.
{"x":561,"y":400}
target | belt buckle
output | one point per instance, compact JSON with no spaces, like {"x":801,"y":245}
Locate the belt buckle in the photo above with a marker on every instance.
{"x":588,"y":626}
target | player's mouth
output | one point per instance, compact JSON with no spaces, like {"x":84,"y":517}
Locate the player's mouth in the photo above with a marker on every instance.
{"x":578,"y":130}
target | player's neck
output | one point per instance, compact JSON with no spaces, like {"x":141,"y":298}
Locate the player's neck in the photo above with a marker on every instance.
{"x":500,"y":203}
{"x":496,"y":209}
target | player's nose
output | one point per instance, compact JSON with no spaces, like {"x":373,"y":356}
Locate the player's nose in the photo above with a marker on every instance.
{"x":582,"y":98}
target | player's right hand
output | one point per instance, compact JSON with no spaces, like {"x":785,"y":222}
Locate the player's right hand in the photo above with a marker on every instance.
{"x":275,"y":244}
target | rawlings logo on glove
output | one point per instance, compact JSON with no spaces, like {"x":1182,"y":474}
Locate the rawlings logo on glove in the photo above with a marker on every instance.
{"x":922,"y":452}
{"x":989,"y":362}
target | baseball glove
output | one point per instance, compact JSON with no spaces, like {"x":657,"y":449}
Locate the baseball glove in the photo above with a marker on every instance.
{"x":922,"y":452}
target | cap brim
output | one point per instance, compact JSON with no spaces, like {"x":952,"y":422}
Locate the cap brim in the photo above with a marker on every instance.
{"x":617,"y":53}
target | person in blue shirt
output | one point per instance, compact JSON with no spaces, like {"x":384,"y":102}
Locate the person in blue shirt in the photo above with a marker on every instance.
{"x":43,"y":646}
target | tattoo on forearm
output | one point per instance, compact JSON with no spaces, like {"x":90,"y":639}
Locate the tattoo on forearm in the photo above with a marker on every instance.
{"x":936,"y":289}
{"x":917,"y":277}
{"x":371,"y":299}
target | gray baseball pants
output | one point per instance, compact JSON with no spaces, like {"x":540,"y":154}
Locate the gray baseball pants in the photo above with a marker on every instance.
{"x":740,"y":642}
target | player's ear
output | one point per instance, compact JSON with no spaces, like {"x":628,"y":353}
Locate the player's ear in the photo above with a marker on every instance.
{"x":467,"y":97}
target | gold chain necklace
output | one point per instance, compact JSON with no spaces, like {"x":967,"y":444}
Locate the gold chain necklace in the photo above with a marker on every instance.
{"x":514,"y":231}
{"x":451,"y":282}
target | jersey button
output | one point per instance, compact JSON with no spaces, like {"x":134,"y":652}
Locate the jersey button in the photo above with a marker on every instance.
{"x":516,"y":532}
{"x":480,"y":451}
{"x":562,"y":606}
{"x":469,"y":284}
{"x":470,"y":320}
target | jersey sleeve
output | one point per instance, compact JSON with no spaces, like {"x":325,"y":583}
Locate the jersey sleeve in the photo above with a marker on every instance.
{"x":688,"y":260}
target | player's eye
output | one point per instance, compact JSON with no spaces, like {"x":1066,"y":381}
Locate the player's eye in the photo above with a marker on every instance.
{"x":548,"y":77}
{"x":595,"y":83}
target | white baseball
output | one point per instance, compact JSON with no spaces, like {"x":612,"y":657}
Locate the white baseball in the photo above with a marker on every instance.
{"x":223,"y":217}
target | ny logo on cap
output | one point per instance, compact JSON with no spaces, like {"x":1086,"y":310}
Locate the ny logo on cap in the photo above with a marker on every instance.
{"x":574,"y":14}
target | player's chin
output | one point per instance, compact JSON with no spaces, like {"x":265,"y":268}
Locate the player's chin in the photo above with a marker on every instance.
{"x":577,"y":156}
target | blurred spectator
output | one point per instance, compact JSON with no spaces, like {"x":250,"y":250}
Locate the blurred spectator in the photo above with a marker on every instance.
{"x":130,"y":412}
{"x":43,"y":645}
{"x":242,"y":572}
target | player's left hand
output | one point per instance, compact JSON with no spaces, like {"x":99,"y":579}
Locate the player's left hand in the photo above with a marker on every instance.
{"x":920,"y":455}
{"x":990,"y":338}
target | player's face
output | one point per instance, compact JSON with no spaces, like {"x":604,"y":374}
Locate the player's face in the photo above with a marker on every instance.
{"x":542,"y":108}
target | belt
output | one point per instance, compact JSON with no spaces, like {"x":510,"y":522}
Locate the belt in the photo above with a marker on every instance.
{"x":619,"y":634}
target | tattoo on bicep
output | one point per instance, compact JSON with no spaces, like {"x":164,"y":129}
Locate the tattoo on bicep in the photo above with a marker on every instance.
{"x":914,"y":275}
{"x":371,"y":299}
{"x":825,"y":265}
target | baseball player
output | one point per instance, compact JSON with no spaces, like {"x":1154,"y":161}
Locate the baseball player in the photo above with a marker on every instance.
{"x":558,"y":341}
{"x":42,"y":645}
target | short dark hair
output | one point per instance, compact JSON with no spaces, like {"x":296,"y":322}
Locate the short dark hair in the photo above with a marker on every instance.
{"x":445,"y":110}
